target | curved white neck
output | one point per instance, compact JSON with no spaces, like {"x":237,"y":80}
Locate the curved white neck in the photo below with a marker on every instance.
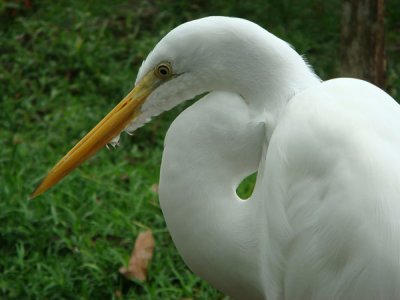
{"x":210,"y":225}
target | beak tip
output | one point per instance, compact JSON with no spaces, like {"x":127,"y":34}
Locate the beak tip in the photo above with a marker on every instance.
{"x":38,"y":191}
{"x":33,"y":196}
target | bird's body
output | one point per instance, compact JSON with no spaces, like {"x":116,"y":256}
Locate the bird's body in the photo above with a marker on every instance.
{"x":323,"y":221}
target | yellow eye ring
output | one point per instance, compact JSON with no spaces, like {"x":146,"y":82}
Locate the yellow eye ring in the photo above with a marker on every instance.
{"x":163,"y":70}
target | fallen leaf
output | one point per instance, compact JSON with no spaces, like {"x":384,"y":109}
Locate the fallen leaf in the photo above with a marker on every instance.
{"x":140,"y":257}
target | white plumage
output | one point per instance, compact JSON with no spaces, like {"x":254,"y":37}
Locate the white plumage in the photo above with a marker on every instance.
{"x":323,"y":221}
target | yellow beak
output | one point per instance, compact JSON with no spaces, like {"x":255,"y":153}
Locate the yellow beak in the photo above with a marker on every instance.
{"x":111,"y":125}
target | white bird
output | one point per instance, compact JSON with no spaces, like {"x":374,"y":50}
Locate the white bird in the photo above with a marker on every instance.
{"x":323,"y":221}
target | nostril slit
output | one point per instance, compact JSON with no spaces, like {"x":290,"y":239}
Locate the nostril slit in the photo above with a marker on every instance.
{"x":246,"y":187}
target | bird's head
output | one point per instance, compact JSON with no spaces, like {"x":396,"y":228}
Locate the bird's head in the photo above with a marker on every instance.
{"x":214,"y":53}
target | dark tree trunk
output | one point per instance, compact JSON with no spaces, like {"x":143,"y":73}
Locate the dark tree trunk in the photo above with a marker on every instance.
{"x":362,"y":45}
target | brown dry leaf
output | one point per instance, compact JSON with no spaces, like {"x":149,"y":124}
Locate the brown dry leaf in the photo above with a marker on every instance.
{"x":140,"y":257}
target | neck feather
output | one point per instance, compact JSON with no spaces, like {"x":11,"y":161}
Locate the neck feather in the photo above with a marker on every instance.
{"x":209,"y":149}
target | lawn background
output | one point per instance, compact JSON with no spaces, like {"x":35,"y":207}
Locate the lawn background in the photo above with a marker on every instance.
{"x":63,"y":65}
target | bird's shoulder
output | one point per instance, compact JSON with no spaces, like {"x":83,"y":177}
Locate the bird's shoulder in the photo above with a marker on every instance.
{"x":341,"y":114}
{"x":342,"y":129}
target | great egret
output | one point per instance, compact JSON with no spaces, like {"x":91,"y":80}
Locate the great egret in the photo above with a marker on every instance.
{"x":323,"y":221}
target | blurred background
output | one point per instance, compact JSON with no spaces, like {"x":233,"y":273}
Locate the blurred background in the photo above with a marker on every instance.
{"x":64,"y":65}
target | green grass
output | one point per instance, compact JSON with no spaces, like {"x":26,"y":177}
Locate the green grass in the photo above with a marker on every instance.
{"x":62,"y":67}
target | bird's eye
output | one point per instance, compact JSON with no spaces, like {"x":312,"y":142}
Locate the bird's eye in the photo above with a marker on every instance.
{"x":163,"y":70}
